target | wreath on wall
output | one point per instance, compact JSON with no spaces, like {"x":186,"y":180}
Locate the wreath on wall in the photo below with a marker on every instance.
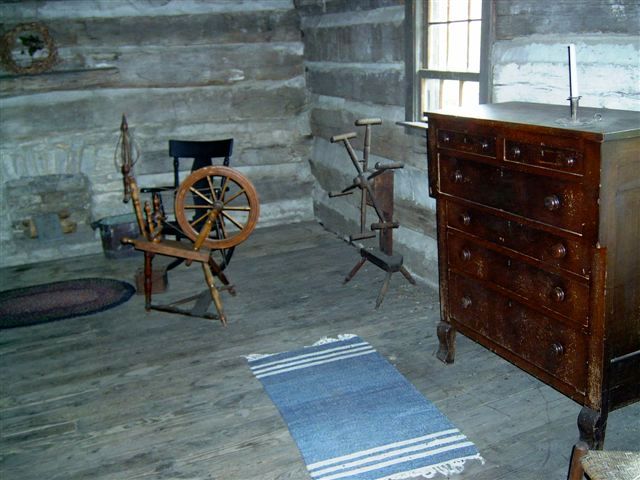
{"x":28,"y":49}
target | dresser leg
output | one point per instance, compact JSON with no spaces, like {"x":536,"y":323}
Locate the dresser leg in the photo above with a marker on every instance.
{"x":447,"y":338}
{"x":592,"y":426}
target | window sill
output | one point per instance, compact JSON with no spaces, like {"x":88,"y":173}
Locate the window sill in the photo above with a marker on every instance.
{"x":414,"y":128}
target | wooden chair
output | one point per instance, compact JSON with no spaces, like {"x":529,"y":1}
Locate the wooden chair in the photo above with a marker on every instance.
{"x":603,"y":464}
{"x":201,"y":154}
{"x":224,"y":215}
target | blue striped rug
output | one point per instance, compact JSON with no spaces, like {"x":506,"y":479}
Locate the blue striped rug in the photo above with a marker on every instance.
{"x":355,"y":417}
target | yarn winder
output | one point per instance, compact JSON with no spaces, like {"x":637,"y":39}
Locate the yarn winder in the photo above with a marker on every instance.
{"x":376,"y":190}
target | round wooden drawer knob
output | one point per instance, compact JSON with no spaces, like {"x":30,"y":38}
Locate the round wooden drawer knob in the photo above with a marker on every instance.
{"x":465,"y":302}
{"x":557,"y":349}
{"x":552,"y":202}
{"x":465,"y":254}
{"x":457,"y":176}
{"x":465,"y":219}
{"x":558,"y":250}
{"x":558,"y":294}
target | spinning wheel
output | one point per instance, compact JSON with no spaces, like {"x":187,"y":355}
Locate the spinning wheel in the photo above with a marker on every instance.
{"x":217,"y":208}
{"x":222,"y":194}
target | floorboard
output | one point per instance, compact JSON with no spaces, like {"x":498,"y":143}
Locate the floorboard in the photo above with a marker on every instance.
{"x":126,"y":394}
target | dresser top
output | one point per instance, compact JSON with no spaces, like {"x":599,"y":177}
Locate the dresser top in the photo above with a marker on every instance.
{"x":605,"y":124}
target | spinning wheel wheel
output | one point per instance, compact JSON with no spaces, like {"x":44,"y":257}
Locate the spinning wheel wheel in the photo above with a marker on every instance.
{"x":222,"y":195}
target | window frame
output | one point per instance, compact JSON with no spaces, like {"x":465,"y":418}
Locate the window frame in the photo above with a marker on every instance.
{"x":415,"y":16}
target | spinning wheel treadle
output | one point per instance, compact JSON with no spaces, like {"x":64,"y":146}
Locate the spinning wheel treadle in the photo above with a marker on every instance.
{"x":227,"y":194}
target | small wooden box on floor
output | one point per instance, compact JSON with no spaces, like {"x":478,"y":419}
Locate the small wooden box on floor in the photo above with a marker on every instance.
{"x":159,"y":279}
{"x":539,"y":245}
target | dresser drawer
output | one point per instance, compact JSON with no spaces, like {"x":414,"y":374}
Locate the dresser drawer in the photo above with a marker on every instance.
{"x":554,"y":202}
{"x":477,"y":142}
{"x":538,"y":340}
{"x":550,"y":292}
{"x":567,"y":160}
{"x":561,"y":252}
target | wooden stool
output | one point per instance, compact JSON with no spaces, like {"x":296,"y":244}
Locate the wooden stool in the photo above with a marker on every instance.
{"x":603,"y":464}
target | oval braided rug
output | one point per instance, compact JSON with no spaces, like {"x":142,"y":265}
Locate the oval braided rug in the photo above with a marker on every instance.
{"x":59,"y":300}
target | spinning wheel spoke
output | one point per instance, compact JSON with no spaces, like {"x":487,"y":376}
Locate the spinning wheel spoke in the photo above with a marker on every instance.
{"x":232,"y":220}
{"x":235,"y":199}
{"x":223,"y":229}
{"x":238,"y":209}
{"x":211,"y":187}
{"x":195,"y":207}
{"x":199,"y":219}
{"x":204,"y":197}
{"x":223,"y":188}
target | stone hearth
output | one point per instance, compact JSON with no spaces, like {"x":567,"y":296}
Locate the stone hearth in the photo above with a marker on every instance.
{"x":50,"y":218}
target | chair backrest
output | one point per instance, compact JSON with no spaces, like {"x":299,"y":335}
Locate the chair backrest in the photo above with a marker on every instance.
{"x":202,"y":153}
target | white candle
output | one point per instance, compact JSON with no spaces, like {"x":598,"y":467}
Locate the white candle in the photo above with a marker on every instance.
{"x":573,"y":72}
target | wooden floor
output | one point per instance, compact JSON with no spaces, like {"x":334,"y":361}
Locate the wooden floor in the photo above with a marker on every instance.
{"x":126,"y":394}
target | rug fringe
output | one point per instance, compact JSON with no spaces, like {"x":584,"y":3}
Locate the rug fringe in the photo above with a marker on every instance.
{"x":341,"y":337}
{"x":252,"y":357}
{"x":448,"y":468}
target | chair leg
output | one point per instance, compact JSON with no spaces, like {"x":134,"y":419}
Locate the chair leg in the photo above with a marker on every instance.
{"x":215,"y":294}
{"x":148,"y":279}
{"x":575,"y":466}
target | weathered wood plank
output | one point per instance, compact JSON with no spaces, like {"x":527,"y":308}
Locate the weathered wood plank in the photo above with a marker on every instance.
{"x":61,"y":80}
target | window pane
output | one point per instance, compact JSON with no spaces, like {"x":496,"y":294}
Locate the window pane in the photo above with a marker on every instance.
{"x":450,"y":96}
{"x":475,"y":8}
{"x":437,"y":10}
{"x":448,"y":93}
{"x":458,"y":45}
{"x":475,"y":39}
{"x":470,"y":93}
{"x":453,"y":10}
{"x":458,"y":10}
{"x":445,"y":93}
{"x":430,"y":95}
{"x":437,"y":47}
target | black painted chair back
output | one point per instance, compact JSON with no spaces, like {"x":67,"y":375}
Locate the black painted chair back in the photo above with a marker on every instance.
{"x":202,"y":153}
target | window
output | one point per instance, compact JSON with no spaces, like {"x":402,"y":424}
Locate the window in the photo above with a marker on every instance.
{"x":449,"y":54}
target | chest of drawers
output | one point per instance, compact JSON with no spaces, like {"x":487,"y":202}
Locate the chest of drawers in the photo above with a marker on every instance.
{"x":539,"y":245}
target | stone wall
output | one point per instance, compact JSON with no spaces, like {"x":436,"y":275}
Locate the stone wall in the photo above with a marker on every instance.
{"x":183,"y":69}
{"x":354,"y":61}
